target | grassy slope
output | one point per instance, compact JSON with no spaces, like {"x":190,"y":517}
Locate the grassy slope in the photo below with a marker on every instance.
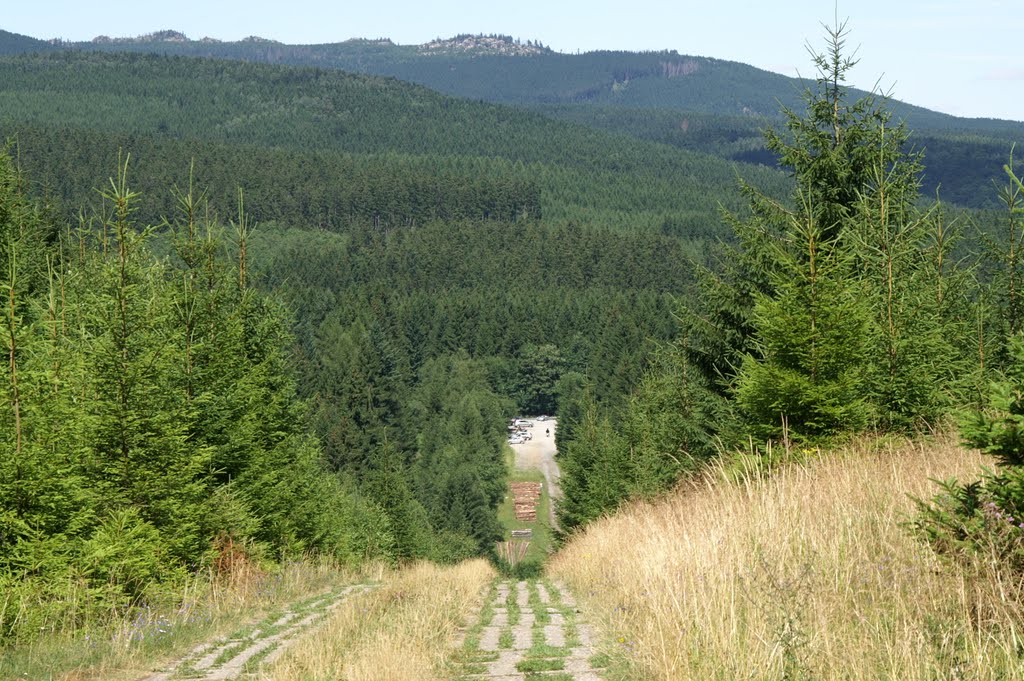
{"x":808,"y":573}
{"x":401,"y":630}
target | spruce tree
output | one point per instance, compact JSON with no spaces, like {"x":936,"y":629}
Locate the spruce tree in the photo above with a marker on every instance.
{"x":140,"y":456}
{"x":670,"y":424}
{"x":830,"y":316}
{"x":594,"y":469}
{"x":1004,"y":260}
{"x":808,"y":380}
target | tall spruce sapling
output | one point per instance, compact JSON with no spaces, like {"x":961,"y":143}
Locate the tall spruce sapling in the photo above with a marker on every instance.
{"x":851,"y":326}
{"x":803,"y":372}
{"x":985,"y":517}
{"x":830,"y":150}
{"x":902,"y":260}
{"x":807,"y":383}
{"x":998,"y":430}
{"x":1003,"y":258}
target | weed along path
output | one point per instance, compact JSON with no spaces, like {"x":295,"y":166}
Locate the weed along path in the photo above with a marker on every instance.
{"x":241,"y":654}
{"x":529,"y":630}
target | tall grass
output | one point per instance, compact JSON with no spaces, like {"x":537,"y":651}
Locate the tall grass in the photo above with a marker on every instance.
{"x":399,"y":632}
{"x":126,"y":643}
{"x":807,"y":572}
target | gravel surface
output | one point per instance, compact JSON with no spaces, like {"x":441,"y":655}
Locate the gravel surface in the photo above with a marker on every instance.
{"x":538,"y":453}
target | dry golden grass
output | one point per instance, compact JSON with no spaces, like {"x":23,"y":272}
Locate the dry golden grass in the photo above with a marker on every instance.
{"x":807,"y":573}
{"x":400,"y":631}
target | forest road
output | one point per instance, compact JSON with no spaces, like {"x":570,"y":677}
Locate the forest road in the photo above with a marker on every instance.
{"x":538,"y":453}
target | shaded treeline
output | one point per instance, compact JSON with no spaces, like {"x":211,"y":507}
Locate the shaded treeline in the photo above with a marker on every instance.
{"x":332,"y":189}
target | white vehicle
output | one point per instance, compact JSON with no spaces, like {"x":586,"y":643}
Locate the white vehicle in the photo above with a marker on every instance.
{"x":516,"y":440}
{"x":542,"y":418}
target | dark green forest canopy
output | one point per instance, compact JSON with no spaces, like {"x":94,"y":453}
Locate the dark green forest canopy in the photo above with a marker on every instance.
{"x":366,"y":156}
{"x":152,"y":421}
{"x":403,"y":228}
{"x":583,"y":173}
{"x":963,"y":158}
{"x":698,"y":103}
{"x":316,"y":189}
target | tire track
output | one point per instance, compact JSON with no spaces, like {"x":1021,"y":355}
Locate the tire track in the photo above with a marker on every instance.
{"x":239,"y":654}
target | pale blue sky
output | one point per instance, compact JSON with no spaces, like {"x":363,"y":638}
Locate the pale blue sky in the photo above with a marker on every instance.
{"x":963,"y":57}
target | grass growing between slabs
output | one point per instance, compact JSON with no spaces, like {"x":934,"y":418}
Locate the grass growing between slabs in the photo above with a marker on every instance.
{"x":804,"y":572}
{"x":127,"y":647}
{"x":541,"y":543}
{"x":402,"y":630}
{"x":540,"y":659}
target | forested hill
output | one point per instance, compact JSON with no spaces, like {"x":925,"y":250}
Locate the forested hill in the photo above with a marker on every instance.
{"x":168,"y":110}
{"x":13,"y":43}
{"x":499,"y":69}
{"x":297,"y":315}
{"x":695,"y":103}
{"x":445,"y":263}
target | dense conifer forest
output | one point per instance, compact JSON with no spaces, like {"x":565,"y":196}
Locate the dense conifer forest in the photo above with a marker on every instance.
{"x":286,"y":309}
{"x":699,"y":103}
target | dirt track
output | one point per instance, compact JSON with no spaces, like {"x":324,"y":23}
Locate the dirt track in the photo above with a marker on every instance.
{"x":539,"y":454}
{"x":243,"y":652}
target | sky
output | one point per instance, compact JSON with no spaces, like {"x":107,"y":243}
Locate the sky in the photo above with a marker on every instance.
{"x":960,"y":57}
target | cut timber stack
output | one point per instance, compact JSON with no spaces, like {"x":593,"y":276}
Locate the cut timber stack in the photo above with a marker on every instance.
{"x":525,"y":496}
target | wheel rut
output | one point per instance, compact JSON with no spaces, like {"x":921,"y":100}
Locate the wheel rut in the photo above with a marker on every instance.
{"x":240,"y":654}
{"x":530,"y":630}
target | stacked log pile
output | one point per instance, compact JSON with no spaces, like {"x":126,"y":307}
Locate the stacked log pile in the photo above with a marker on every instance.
{"x":525,"y":496}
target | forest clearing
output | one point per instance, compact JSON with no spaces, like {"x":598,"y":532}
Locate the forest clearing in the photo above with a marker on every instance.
{"x":424,"y":624}
{"x":511,"y":631}
{"x":538,"y":454}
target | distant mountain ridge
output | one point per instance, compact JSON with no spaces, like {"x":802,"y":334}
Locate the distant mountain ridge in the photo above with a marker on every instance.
{"x":14,"y":43}
{"x":463,"y":44}
{"x":503,"y":69}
